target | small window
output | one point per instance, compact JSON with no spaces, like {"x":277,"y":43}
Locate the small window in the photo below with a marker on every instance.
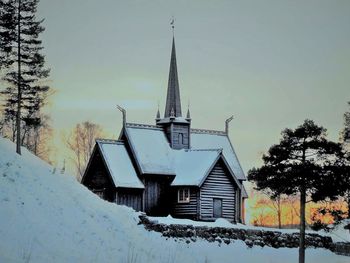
{"x":183,"y":195}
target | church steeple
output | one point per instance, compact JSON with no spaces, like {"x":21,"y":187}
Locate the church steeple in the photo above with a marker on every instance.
{"x":173,"y":95}
{"x":177,"y":129}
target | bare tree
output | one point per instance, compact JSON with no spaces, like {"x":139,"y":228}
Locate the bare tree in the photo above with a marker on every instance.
{"x":260,"y":217}
{"x":81,"y":142}
{"x":292,"y":204}
{"x":37,"y":139}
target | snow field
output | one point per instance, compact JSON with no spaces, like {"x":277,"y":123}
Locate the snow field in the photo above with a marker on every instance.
{"x":49,"y":217}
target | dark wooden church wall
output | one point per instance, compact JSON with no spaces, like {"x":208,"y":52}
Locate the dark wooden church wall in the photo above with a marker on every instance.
{"x":239,"y":203}
{"x":156,"y":195}
{"x":185,"y":210}
{"x":219,"y":185}
{"x":97,"y":178}
{"x":130,"y":197}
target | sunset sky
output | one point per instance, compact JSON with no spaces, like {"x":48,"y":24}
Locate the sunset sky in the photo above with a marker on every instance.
{"x":271,"y":64}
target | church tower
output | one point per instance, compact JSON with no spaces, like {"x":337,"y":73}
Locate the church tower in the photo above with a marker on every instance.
{"x":176,"y":127}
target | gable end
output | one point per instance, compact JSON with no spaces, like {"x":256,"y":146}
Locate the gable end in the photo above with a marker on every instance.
{"x":97,"y":176}
{"x":220,"y":186}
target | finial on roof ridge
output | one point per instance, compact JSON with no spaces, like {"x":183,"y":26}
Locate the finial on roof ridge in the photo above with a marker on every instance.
{"x":227,"y":124}
{"x":123,"y":111}
{"x":172,"y":113}
{"x":158,"y":114}
{"x":188,"y":115}
{"x":172,"y":23}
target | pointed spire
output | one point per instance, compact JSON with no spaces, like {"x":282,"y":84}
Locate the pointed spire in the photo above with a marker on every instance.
{"x":158,"y":114}
{"x":173,"y":94}
{"x":188,"y":115}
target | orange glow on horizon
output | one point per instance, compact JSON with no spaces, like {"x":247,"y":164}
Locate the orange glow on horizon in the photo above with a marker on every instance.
{"x":264,"y":212}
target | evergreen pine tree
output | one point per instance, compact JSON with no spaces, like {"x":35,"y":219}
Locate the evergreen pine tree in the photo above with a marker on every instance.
{"x":345,"y":140}
{"x":305,"y":163}
{"x":345,"y":133}
{"x":7,"y":31}
{"x":24,"y":69}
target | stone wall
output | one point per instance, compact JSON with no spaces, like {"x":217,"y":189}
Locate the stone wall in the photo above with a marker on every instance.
{"x":341,"y":248}
{"x":276,"y":239}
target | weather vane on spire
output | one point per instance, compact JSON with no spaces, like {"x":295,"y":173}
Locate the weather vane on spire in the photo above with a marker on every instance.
{"x":172,"y":23}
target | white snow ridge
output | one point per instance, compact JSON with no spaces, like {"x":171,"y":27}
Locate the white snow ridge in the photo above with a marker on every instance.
{"x":49,"y":217}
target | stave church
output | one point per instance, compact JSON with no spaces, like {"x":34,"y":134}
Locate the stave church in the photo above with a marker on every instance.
{"x":169,"y":167}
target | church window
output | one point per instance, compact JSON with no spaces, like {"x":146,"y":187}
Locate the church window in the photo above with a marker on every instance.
{"x":183,"y":195}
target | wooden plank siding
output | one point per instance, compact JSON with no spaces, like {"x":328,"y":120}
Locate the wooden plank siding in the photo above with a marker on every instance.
{"x":183,"y":141}
{"x":129,"y":197}
{"x":218,"y":184}
{"x":98,"y":179}
{"x":185,"y":210}
{"x":157,"y":195}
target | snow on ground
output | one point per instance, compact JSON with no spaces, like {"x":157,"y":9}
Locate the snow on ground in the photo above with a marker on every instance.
{"x":49,"y":217}
{"x":338,"y":233}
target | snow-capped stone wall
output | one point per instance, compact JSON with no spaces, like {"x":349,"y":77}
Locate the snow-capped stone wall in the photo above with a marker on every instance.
{"x":341,"y":248}
{"x":276,"y":239}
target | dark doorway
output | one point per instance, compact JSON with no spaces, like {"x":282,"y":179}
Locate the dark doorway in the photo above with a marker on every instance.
{"x":217,"y":207}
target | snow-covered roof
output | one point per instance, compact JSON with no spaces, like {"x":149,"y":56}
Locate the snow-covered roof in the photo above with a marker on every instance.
{"x":119,"y":164}
{"x":155,"y":156}
{"x":151,"y":148}
{"x":201,"y":139}
{"x":192,"y":166}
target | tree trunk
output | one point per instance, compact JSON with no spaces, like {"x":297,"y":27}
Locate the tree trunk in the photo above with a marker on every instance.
{"x":302,"y":225}
{"x":347,"y":198}
{"x":36,"y":141}
{"x":19,"y":95}
{"x":14,"y":132}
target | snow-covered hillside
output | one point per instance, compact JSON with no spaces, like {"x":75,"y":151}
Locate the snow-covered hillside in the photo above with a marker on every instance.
{"x":49,"y":217}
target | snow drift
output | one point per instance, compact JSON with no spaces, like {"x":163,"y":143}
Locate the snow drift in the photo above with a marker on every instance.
{"x":49,"y":217}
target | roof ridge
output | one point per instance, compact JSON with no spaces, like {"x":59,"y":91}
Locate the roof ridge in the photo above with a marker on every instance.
{"x":142,"y":126}
{"x":206,"y":150}
{"x":109,"y":141}
{"x":206,"y":131}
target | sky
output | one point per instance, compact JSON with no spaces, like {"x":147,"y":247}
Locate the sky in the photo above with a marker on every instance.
{"x":272,"y":64}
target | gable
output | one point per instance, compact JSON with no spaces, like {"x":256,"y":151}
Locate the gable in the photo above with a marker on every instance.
{"x":222,"y":163}
{"x":215,"y":140}
{"x":119,"y":164}
{"x":192,"y":166}
{"x":96,"y":174}
{"x":219,"y":185}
